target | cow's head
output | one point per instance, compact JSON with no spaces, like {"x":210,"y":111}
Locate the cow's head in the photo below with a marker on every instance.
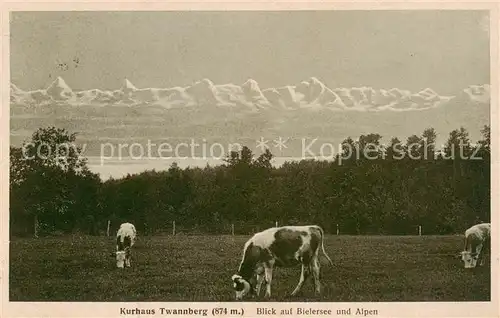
{"x":469,"y":259}
{"x":120,"y":259}
{"x":241,"y":286}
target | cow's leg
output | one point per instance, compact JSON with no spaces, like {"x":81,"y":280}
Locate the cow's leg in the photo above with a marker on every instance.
{"x":482,"y":254}
{"x":303,"y":276}
{"x":315,"y":268}
{"x":127,"y":258}
{"x":474,"y":249}
{"x":260,"y":272}
{"x":260,"y":279}
{"x":486,"y":251}
{"x":479,"y":250}
{"x":268,"y":272}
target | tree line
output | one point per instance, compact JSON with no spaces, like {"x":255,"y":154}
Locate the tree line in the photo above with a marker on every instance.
{"x":382,"y":190}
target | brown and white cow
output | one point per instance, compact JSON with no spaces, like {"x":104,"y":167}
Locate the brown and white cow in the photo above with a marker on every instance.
{"x":125,"y":239}
{"x":286,"y":246}
{"x":477,"y":241}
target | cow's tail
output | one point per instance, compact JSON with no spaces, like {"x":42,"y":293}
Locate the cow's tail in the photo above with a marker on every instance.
{"x":323,"y":246}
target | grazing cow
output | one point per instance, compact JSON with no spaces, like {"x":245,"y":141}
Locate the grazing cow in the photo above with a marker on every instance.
{"x":125,"y":239}
{"x":286,"y":246}
{"x":477,"y":241}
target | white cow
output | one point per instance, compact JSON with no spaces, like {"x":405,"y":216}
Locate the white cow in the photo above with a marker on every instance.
{"x":125,"y":239}
{"x":286,"y":246}
{"x":477,"y":240}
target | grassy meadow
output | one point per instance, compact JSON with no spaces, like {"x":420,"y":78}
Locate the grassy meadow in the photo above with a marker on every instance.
{"x":199,"y":268}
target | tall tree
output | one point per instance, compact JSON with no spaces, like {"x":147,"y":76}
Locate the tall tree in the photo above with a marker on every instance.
{"x":44,"y":169}
{"x":429,"y":137}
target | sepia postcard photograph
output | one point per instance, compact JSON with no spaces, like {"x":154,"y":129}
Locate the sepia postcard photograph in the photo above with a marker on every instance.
{"x":252,"y":161}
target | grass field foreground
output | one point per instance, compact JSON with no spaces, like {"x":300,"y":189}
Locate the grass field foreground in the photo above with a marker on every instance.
{"x":199,"y":268}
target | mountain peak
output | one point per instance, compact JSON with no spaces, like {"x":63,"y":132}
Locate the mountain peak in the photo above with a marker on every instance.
{"x":478,"y":93}
{"x":128,"y":86}
{"x":203,"y":91}
{"x":59,"y":90}
{"x":205,"y":82}
{"x":251,"y":84}
{"x":314,"y":80}
{"x":59,"y":82}
{"x":428,"y":91}
{"x":250,"y":81}
{"x":14,"y":88}
{"x":311,"y":92}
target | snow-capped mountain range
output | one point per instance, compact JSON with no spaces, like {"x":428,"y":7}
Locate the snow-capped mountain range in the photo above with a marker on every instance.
{"x":309,"y":94}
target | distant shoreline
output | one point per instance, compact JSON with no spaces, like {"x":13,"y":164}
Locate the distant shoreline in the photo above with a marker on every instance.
{"x":118,"y":168}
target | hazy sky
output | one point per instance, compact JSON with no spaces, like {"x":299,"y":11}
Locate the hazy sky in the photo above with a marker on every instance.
{"x":444,"y":50}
